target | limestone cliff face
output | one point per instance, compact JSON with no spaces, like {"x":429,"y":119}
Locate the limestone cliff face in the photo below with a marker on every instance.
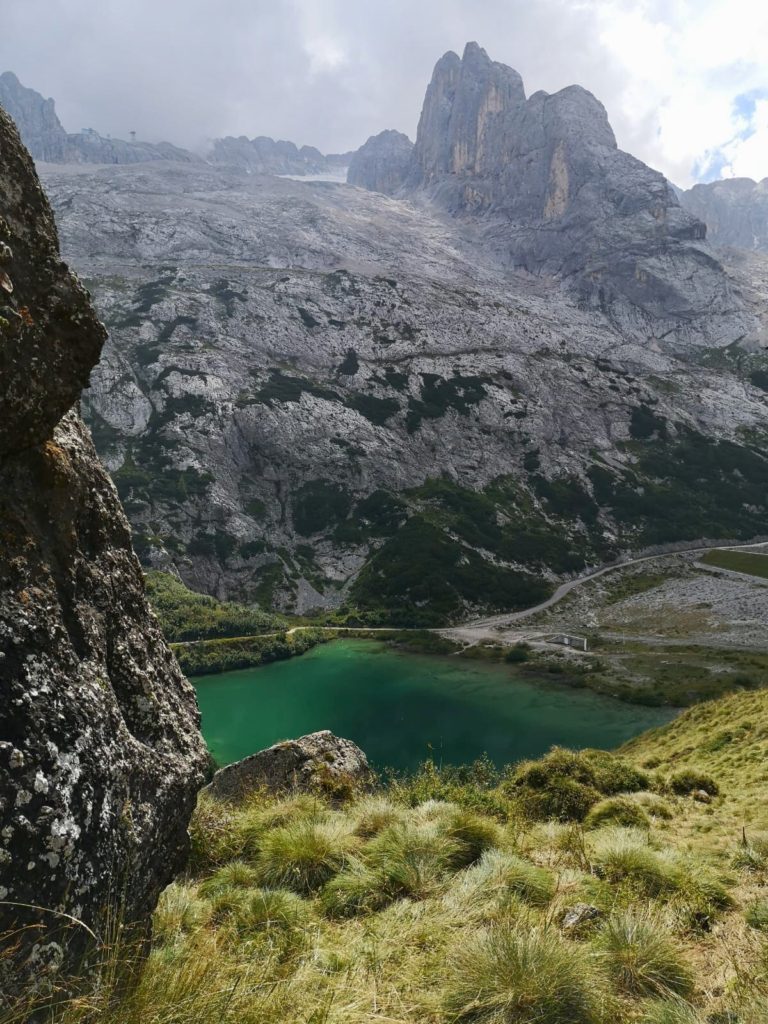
{"x":36,"y":116}
{"x":292,"y":366}
{"x":382,"y":163}
{"x":552,"y":193}
{"x":47,"y":141}
{"x":735,"y":211}
{"x":263,"y":155}
{"x":100,"y":753}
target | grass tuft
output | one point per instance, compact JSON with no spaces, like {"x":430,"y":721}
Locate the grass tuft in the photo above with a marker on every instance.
{"x":304,"y":855}
{"x":638,"y":953}
{"x":510,"y":976}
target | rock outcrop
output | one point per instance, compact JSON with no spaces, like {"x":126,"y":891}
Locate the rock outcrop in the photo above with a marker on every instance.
{"x":36,"y":119}
{"x":263,"y":155}
{"x":735,"y":211}
{"x":313,"y":394}
{"x":45,"y":138}
{"x":544,"y":181}
{"x":317,"y":760}
{"x":382,"y":164}
{"x":100,"y":752}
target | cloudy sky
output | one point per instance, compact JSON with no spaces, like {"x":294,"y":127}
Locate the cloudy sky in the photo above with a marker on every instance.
{"x":685,"y":81}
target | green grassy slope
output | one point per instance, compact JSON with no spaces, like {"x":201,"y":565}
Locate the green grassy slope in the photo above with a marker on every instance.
{"x":444,"y":897}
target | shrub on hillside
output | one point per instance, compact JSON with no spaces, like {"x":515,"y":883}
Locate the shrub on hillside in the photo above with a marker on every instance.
{"x":689,"y":780}
{"x":475,"y":786}
{"x":752,"y":854}
{"x":620,"y":855}
{"x":235,"y":875}
{"x":265,"y":909}
{"x":756,"y":915}
{"x":304,"y":854}
{"x":499,"y":872}
{"x":617,"y":810}
{"x":472,"y":833}
{"x":655,"y":806}
{"x":565,"y":784}
{"x":356,"y":890}
{"x":374,"y":813}
{"x":518,"y":653}
{"x":673,"y":1010}
{"x":613,"y":775}
{"x":411,"y":860}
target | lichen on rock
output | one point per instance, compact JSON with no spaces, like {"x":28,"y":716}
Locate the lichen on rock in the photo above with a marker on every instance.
{"x":100,"y":751}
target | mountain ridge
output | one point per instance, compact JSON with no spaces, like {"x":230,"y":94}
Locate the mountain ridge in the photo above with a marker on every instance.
{"x":319,"y":396}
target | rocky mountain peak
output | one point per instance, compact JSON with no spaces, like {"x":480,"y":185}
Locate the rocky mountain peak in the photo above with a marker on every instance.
{"x":735,"y":211}
{"x":44,"y":136}
{"x":36,"y":118}
{"x":466,"y":100}
{"x":382,"y":163}
{"x":550,"y":190}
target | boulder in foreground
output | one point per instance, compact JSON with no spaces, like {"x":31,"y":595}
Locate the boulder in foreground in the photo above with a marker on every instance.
{"x":319,"y":759}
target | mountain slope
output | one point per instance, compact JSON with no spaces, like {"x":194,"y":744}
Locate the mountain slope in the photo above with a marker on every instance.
{"x":296,"y":369}
{"x":735,"y":211}
{"x":544,"y":182}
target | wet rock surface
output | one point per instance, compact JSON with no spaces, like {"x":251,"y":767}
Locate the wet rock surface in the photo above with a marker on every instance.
{"x":100,"y":752}
{"x":319,"y":759}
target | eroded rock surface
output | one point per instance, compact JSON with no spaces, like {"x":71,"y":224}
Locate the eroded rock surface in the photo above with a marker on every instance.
{"x":319,"y":759}
{"x":382,"y":163}
{"x":735,"y":211}
{"x":100,"y":752}
{"x":263,"y":155}
{"x":315,"y":394}
{"x":550,"y":191}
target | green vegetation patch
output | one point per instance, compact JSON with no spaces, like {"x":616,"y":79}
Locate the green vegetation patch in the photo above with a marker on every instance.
{"x":282,"y":387}
{"x":749,"y":562}
{"x":319,"y":505}
{"x":377,"y":410}
{"x":692,"y":487}
{"x":438,"y":395}
{"x":421,"y":576}
{"x":186,"y":615}
{"x":213,"y":656}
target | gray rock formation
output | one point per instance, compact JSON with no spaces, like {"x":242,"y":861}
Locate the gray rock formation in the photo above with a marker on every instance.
{"x":544,"y":181}
{"x":100,"y":753}
{"x":263,"y":155}
{"x":383,"y":163}
{"x":735,"y":211}
{"x":316,"y":395}
{"x":36,"y":119}
{"x":319,"y":760}
{"x":45,"y":138}
{"x":578,"y":919}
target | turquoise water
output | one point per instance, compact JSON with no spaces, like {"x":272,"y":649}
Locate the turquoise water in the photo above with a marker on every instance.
{"x":401,"y":708}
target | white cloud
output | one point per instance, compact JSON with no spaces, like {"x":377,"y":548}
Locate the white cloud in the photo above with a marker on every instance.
{"x":687,"y":62}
